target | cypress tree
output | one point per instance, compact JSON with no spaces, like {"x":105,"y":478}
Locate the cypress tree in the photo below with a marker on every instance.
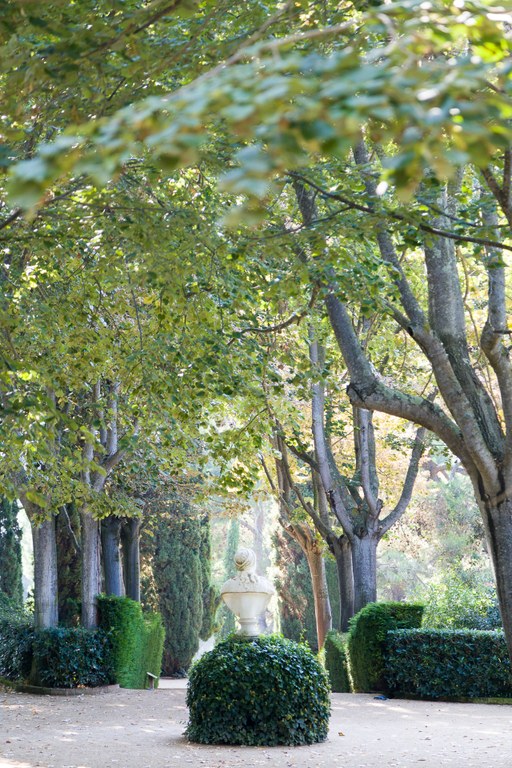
{"x":181,"y":578}
{"x":10,"y":552}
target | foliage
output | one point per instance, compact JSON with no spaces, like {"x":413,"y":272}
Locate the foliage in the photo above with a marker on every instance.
{"x":72,"y":657}
{"x":10,"y":551}
{"x":69,"y":566}
{"x":181,"y":571}
{"x":258,"y":692}
{"x":444,"y":663}
{"x":153,"y":637}
{"x":293,"y":585}
{"x":227,"y":620}
{"x":298,"y":99}
{"x":16,"y":639}
{"x":367,"y":638}
{"x":454,"y":604}
{"x":336,"y":661}
{"x":136,"y":641}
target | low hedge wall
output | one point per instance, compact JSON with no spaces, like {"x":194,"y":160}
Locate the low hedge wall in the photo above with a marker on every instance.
{"x":367,"y":641}
{"x":56,"y":658}
{"x":72,"y":657}
{"x":336,"y":661}
{"x":448,"y":663}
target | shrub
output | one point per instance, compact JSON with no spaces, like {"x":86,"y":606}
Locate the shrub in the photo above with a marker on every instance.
{"x":336,"y":661}
{"x":137,"y":640}
{"x":258,"y":692}
{"x":72,"y":657}
{"x":16,"y":639}
{"x":455,"y":604}
{"x":448,"y":663}
{"x":152,"y":647}
{"x":367,"y":638}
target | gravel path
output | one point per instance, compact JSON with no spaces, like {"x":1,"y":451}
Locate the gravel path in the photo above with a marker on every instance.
{"x":143,"y":729}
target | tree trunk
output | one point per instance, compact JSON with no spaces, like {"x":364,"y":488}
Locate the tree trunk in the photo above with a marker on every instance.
{"x":498,"y":526}
{"x":364,"y":563}
{"x":111,"y":551}
{"x":343,"y":556}
{"x":130,"y":539}
{"x":45,"y":574}
{"x":91,"y":574}
{"x":323,"y":614}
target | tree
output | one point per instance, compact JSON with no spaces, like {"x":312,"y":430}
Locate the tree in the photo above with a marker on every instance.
{"x":10,"y":552}
{"x":181,"y":578}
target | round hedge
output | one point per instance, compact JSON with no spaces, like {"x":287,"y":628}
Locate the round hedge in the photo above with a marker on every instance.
{"x":259,"y":691}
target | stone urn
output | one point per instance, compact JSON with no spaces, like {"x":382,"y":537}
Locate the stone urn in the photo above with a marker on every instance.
{"x":247,"y":594}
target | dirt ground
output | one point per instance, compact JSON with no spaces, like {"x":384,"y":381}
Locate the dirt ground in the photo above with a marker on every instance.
{"x":143,"y":729}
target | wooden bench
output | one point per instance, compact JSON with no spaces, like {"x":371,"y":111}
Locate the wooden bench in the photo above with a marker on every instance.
{"x":151,"y":681}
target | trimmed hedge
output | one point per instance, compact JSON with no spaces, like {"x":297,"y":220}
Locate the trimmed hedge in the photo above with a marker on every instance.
{"x":336,"y":661}
{"x":259,"y":691}
{"x":448,"y":663}
{"x":367,"y":641}
{"x":16,"y":638}
{"x":137,"y":639}
{"x":72,"y":657}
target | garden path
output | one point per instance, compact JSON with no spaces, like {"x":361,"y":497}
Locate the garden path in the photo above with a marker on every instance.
{"x":143,"y":729}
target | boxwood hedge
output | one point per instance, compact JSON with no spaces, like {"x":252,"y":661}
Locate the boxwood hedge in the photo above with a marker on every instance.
{"x":444,"y":663}
{"x":336,"y":661}
{"x":367,"y":639}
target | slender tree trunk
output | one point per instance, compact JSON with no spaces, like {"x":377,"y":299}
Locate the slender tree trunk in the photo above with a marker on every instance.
{"x":130,"y":538}
{"x":91,"y":573}
{"x":45,"y":574}
{"x":323,"y":614}
{"x":364,"y":562}
{"x":498,"y":526}
{"x":343,"y":556}
{"x":111,"y":551}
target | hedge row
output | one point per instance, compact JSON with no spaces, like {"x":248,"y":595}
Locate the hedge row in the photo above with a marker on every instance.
{"x":16,"y":640}
{"x":137,"y":640}
{"x":55,"y":658}
{"x":444,"y":663}
{"x":336,"y":662}
{"x":430,"y":663}
{"x":367,"y":639}
{"x":127,"y":646}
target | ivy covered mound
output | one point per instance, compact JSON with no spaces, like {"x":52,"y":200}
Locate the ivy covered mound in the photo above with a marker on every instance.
{"x":259,"y":691}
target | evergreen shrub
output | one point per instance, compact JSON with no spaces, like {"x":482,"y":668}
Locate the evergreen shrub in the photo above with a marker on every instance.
{"x":16,"y":639}
{"x":336,"y":661}
{"x":437,"y":663}
{"x":259,"y":691}
{"x":367,"y":640}
{"x":72,"y":657}
{"x":137,"y":640}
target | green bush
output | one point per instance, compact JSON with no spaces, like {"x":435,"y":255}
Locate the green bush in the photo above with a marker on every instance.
{"x":152,"y":647}
{"x":336,"y":661}
{"x":455,"y":604}
{"x":258,"y":692}
{"x":367,"y":638}
{"x":16,"y":639}
{"x":72,"y":657}
{"x":448,"y":663}
{"x":137,"y":640}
